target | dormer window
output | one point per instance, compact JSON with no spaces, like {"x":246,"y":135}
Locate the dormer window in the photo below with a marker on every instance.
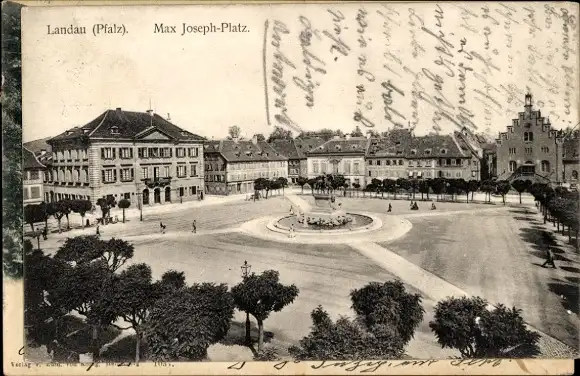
{"x":184,"y":133}
{"x":443,"y":151}
{"x":85,"y":131}
{"x":427,"y":151}
{"x":248,"y":153}
{"x":413,"y":152}
{"x":337,"y":147}
{"x":353,"y":147}
{"x":398,"y":143}
{"x":115,"y":130}
{"x":69,"y":132}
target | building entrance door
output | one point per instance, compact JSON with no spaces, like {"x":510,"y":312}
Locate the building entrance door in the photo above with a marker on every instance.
{"x":145,"y":197}
{"x":167,"y":194}
{"x":157,"y":196}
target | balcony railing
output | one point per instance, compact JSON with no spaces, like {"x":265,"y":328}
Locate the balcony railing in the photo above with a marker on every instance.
{"x":157,"y":182}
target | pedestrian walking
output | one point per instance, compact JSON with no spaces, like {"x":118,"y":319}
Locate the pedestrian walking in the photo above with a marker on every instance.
{"x":549,"y":259}
{"x":390,"y":208}
{"x":162,"y":227}
{"x":44,"y":233}
{"x":194,"y":227}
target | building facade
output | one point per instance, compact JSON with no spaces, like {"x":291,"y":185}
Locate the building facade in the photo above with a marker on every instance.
{"x":530,"y":148}
{"x":343,"y":156}
{"x":402,"y":155}
{"x":32,"y":178}
{"x":570,"y":159}
{"x":139,"y":156}
{"x":232,"y":166}
{"x":295,"y":150}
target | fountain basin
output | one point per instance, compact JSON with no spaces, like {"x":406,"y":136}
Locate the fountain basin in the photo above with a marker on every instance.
{"x":362,"y":222}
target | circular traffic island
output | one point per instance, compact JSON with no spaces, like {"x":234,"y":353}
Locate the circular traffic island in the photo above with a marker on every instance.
{"x":319,"y":224}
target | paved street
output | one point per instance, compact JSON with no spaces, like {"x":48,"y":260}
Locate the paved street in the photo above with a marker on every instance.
{"x":503,"y":268}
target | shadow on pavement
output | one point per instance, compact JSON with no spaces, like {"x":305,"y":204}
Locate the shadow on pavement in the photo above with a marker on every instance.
{"x":124,"y":350}
{"x":568,"y":293}
{"x":570,"y":269}
{"x":237,"y":334}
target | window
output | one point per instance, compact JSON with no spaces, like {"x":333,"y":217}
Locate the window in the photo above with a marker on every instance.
{"x":427,"y":151}
{"x":153,"y":152}
{"x":155,"y":172}
{"x":109,"y":175}
{"x":574,"y":174}
{"x":513,"y":165}
{"x":346,"y":167}
{"x":458,"y":174}
{"x":443,"y":151}
{"x":528,"y":150}
{"x":127,"y":174}
{"x":25,"y":194}
{"x":181,"y":171}
{"x":74,"y":154}
{"x":127,"y":196}
{"x":413,"y":152}
{"x":458,"y":162}
{"x":192,"y":191}
{"x":193,"y":169}
{"x":166,"y":153}
{"x":545,"y":149}
{"x":370,"y":162}
{"x":545,"y":166}
{"x":428,"y":163}
{"x":125,"y":153}
{"x":356,"y":168}
{"x":472,"y":174}
{"x":107,"y":153}
{"x":142,"y":153}
{"x":400,"y":162}
{"x":34,"y":192}
{"x":419,"y":164}
{"x":388,"y":162}
{"x":315,"y":168}
{"x":528,"y":136}
{"x":193,"y":152}
{"x":378,"y":163}
{"x":67,"y":155}
{"x":34,"y":175}
{"x":411,"y":163}
{"x":145,"y":173}
{"x":180,"y":152}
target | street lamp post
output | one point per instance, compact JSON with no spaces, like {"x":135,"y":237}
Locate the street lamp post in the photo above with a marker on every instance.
{"x":140,"y":202}
{"x":37,"y":233}
{"x":245,"y":274}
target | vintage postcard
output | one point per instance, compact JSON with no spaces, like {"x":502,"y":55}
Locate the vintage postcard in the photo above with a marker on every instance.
{"x":308,"y":188}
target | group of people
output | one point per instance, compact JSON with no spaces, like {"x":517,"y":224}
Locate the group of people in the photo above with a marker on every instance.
{"x":413,"y":206}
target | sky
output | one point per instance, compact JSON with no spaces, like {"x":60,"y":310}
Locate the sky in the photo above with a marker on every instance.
{"x":432,"y":67}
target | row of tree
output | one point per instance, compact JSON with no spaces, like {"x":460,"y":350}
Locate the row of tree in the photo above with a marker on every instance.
{"x":263,"y":184}
{"x":437,"y":186}
{"x":173,"y":321}
{"x":280,"y":133}
{"x":37,"y":213}
{"x":558,"y":205}
{"x":176,"y":321}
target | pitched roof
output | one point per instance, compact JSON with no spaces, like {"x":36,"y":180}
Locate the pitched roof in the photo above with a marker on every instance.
{"x":296,"y":148}
{"x":37,"y":146}
{"x":244,"y":151}
{"x":353,"y":145}
{"x":120,"y":124}
{"x":29,"y":161}
{"x":430,"y":146}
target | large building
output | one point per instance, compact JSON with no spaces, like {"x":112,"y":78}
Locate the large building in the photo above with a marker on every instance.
{"x":32,"y":178}
{"x":344,"y":156}
{"x":232,"y":166}
{"x":400,"y":154}
{"x":295,"y":150}
{"x":530,"y":148}
{"x":139,"y":156}
{"x":570,"y":159}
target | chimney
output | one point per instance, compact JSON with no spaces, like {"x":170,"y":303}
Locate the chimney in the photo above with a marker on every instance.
{"x":168,"y":116}
{"x":255,"y":140}
{"x":150,"y":112}
{"x":347,"y":136}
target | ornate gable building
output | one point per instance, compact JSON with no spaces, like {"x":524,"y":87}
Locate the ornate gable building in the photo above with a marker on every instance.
{"x":124,"y":154}
{"x":32,"y":178}
{"x":530,"y":148}
{"x":570,"y":158}
{"x":232,"y":166}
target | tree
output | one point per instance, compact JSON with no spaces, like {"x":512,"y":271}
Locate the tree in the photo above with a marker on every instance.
{"x":404,"y":184}
{"x":116,"y":252}
{"x":81,"y":207}
{"x":234,"y":132}
{"x":438,"y":186}
{"x":465,"y":324}
{"x":260,"y":295}
{"x":472,"y":186}
{"x":521,"y":186}
{"x":35,"y":213}
{"x":66,"y":209}
{"x":184,"y":324}
{"x":282,"y":182}
{"x":357,"y":132}
{"x":171,"y":281}
{"x":390,"y":185}
{"x":301,"y":181}
{"x":388,"y":304}
{"x":414,"y":185}
{"x":502,"y":188}
{"x":424,"y":188}
{"x":58,"y":210}
{"x":260,"y":137}
{"x":460,"y":187}
{"x":488,"y":186}
{"x":106,"y":204}
{"x":312,"y":183}
{"x":87,"y":248}
{"x":124,"y":204}
{"x":279,"y":133}
{"x":345,"y":340}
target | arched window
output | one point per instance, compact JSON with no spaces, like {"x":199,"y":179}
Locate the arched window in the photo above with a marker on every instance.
{"x":67,"y":176}
{"x":66,"y":154}
{"x":574,"y":174}
{"x":528,"y":136}
{"x":61,"y":176}
{"x":83,"y":176}
{"x":75,"y":175}
{"x":513,"y":166}
{"x":545,"y":166}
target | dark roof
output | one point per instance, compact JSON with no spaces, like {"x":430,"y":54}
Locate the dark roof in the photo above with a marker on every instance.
{"x":29,"y":161}
{"x":243,"y":151}
{"x":120,"y":124}
{"x":430,"y":146}
{"x":296,"y":148}
{"x":353,"y":145}
{"x":37,"y":146}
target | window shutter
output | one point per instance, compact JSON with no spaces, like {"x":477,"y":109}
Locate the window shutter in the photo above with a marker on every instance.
{"x":114,"y":153}
{"x":132,"y":174}
{"x":115,"y":175}
{"x":102,"y":153}
{"x":131,"y":152}
{"x":103,"y":174}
